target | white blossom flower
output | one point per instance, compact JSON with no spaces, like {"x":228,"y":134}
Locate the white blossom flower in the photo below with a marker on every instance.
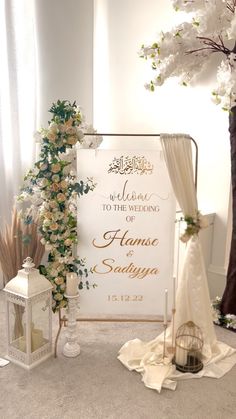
{"x":184,"y":50}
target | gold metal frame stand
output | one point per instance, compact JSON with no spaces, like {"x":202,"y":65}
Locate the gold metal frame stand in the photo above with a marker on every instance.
{"x":63,"y":320}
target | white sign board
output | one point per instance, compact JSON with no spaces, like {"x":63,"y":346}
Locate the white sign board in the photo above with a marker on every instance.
{"x":126,"y":232}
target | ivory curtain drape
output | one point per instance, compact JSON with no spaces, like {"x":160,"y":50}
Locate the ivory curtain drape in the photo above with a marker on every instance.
{"x":17,"y":98}
{"x":192,"y":297}
{"x":178,"y":156}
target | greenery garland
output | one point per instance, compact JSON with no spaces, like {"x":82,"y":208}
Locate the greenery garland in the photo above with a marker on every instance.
{"x":193,"y":225}
{"x":51,"y":189}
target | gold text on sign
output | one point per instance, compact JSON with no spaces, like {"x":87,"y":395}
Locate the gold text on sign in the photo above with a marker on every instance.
{"x":112,"y":236}
{"x":125,"y":298}
{"x":108,"y":266}
{"x":130,"y":195}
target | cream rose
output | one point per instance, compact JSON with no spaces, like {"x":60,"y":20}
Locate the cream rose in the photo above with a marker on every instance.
{"x":59,"y":280}
{"x":48,"y":215}
{"x":61,"y":197}
{"x":71,"y":140}
{"x":68,"y":242}
{"x":62,"y":303}
{"x":43,"y":166}
{"x":63,"y":184}
{"x":55,"y":168}
{"x":58,"y":296}
{"x":51,"y":136}
{"x":53,"y":204}
{"x":53,"y":237}
{"x":69,"y":122}
{"x":54,"y":226}
{"x":55,"y":178}
{"x":55,"y":187}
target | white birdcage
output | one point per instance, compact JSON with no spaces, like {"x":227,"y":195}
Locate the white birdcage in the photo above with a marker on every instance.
{"x":29,"y":317}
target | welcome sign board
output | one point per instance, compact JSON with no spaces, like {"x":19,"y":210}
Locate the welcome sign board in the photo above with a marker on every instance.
{"x":126,"y":232}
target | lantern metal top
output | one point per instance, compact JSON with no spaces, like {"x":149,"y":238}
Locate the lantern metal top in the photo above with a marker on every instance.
{"x":28,"y":282}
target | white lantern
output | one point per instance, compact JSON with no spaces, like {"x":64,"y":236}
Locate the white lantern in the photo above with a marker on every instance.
{"x":29,"y":317}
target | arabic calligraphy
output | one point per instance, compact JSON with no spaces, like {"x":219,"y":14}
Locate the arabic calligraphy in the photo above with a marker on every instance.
{"x":126,"y":165}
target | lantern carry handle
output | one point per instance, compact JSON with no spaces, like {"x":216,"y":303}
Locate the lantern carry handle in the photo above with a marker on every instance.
{"x":28,"y":264}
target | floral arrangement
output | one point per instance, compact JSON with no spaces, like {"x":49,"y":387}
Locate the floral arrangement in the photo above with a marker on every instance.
{"x":228,"y":320}
{"x":193,"y":225}
{"x":51,"y":190}
{"x":185,"y":51}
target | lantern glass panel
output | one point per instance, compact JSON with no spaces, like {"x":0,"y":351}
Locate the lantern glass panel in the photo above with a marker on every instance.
{"x":17,"y":320}
{"x":40,"y":323}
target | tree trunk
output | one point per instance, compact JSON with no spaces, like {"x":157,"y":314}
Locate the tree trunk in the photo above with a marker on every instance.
{"x":228,"y":305}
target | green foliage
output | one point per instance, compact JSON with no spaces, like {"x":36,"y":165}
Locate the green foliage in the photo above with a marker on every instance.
{"x":52,"y":188}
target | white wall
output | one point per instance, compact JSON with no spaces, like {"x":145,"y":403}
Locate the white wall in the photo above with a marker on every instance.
{"x":64,"y":32}
{"x":65,"y":54}
{"x":113,"y":90}
{"x":121,"y":104}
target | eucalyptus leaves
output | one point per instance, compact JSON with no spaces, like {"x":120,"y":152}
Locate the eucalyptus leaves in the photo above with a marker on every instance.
{"x":51,"y":189}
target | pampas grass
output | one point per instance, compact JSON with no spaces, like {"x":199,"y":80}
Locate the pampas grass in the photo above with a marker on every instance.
{"x":17,"y":242}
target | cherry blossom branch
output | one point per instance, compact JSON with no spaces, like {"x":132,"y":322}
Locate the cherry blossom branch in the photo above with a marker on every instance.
{"x":231,"y":6}
{"x":211,"y":45}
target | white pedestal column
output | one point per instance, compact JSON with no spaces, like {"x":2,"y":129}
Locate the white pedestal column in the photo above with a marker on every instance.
{"x":71,"y":348}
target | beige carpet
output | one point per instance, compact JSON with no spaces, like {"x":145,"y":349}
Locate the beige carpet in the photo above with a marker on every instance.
{"x":96,"y":385}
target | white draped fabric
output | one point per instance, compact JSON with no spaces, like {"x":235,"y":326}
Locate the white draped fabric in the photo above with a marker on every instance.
{"x":17,"y":98}
{"x":178,"y":156}
{"x":192,"y":297}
